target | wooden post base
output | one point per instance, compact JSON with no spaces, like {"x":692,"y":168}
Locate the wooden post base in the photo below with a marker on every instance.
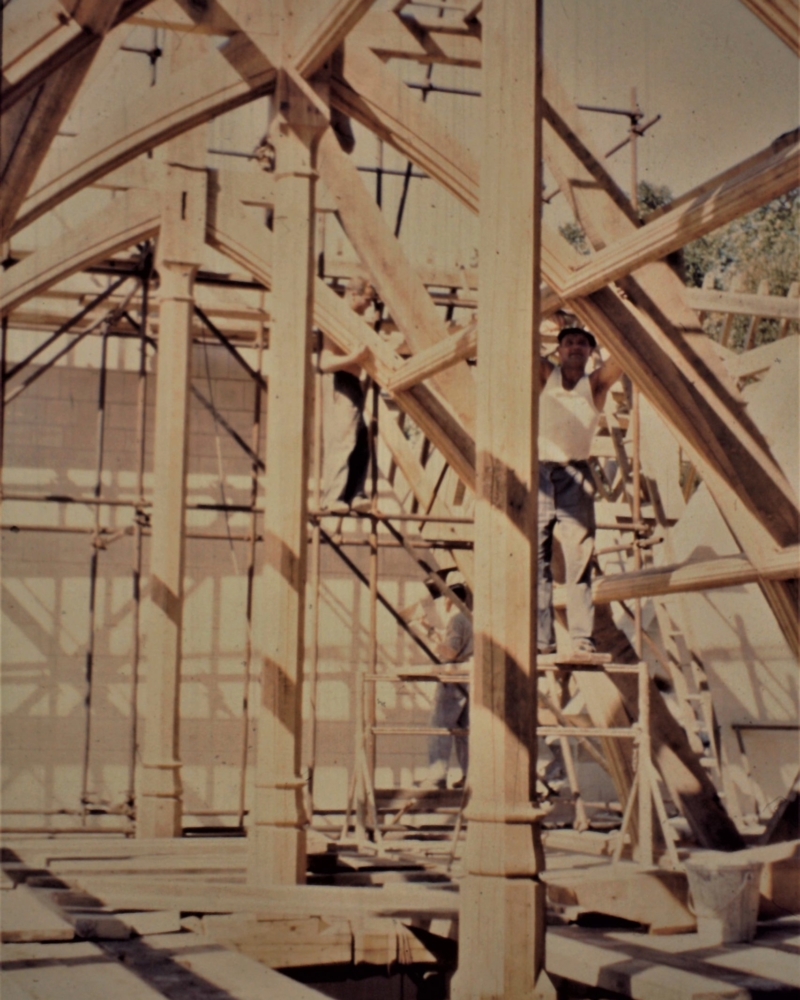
{"x":277,"y":856}
{"x":157,"y":814}
{"x":500,"y":922}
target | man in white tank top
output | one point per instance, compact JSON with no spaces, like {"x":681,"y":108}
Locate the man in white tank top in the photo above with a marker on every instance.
{"x":570,"y":404}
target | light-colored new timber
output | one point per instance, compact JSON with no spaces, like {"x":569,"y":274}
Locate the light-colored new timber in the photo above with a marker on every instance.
{"x":781,"y":17}
{"x":673,"y":967}
{"x":392,"y":37}
{"x":764,"y":176}
{"x":278,"y":837}
{"x":186,"y":964}
{"x":134,"y":216}
{"x":502,"y":916}
{"x":369,"y":94}
{"x":768,"y":306}
{"x":702,"y":574}
{"x":26,"y":918}
{"x":159,"y":809}
{"x":120,"y":138}
{"x":657,"y":899}
{"x":400,"y":287}
{"x":240,"y":238}
{"x":753,"y":470}
{"x":330,"y":23}
{"x":434,"y":359}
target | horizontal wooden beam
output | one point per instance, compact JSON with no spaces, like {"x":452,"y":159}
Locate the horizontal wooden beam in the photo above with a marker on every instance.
{"x":769,"y":174}
{"x":682,"y":578}
{"x":765,"y":306}
{"x":435,"y":359}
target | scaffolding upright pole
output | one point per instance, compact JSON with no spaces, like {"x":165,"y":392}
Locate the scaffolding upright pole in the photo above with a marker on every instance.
{"x":314,"y":582}
{"x":97,"y":544}
{"x":646,"y":777}
{"x":138,"y":536}
{"x":369,"y":739}
{"x":255,"y":442}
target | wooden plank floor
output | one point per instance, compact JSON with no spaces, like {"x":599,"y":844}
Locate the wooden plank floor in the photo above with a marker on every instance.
{"x":677,"y":967}
{"x":104,"y":881}
{"x":181,"y":966}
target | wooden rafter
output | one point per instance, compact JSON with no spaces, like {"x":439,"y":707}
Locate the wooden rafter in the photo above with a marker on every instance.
{"x":749,"y":488}
{"x":241,"y":239}
{"x":396,"y":280}
{"x":45,"y":102}
{"x":189,"y":101}
{"x":393,"y":37}
{"x":369,"y":94}
{"x":132,"y":217}
{"x":30,"y":60}
{"x":723,"y":416}
{"x":328,"y":30}
{"x":781,"y":17}
{"x":759,"y":179}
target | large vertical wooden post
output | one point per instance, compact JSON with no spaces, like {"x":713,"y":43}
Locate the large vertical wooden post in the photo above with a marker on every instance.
{"x":180,"y":246}
{"x":278,"y":839}
{"x":501,"y":924}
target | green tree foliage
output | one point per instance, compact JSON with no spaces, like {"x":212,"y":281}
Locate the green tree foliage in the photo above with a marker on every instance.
{"x":574,"y":235}
{"x":763,"y":245}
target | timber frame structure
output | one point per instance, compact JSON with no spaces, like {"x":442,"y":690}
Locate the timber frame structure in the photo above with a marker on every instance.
{"x":452,"y":419}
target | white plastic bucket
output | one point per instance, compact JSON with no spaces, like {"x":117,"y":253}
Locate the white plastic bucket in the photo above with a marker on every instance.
{"x":725,"y":891}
